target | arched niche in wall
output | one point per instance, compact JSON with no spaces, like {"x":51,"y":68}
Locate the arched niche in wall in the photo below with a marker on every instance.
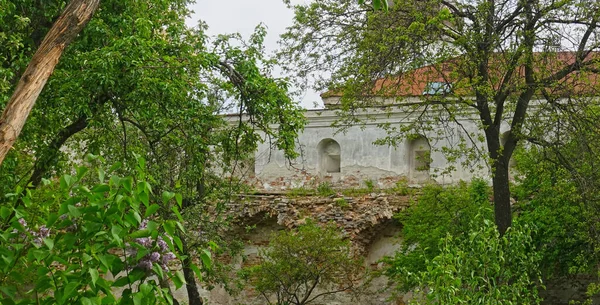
{"x":329,"y":156}
{"x":419,"y":158}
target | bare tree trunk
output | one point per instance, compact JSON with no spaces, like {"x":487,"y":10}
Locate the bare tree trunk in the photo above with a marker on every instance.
{"x":73,"y":19}
{"x":501,"y":186}
{"x":194,"y":297}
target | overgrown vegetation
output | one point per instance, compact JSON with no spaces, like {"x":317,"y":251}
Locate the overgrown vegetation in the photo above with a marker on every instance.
{"x":440,"y":212}
{"x":482,"y":267}
{"x":61,"y":244}
{"x":138,"y":84}
{"x":301,"y":266}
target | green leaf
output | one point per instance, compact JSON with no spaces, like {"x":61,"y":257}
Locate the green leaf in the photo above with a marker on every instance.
{"x":69,"y":291}
{"x":376,"y":4}
{"x":147,"y":187}
{"x":179,"y":279}
{"x":114,"y":181}
{"x":140,"y":233}
{"x":196,"y":271}
{"x":101,"y":188}
{"x":120,"y":282}
{"x":81,"y":171}
{"x":115,"y":231}
{"x":152,"y":226}
{"x":5,"y":212}
{"x":115,"y":166}
{"x":39,"y":255}
{"x":205,"y":256}
{"x":166,"y":196}
{"x":127,"y":182}
{"x":178,"y":242}
{"x":65,"y":182}
{"x":177,"y":214}
{"x":169,"y":227}
{"x":158,"y":271}
{"x":101,"y":175}
{"x":52,"y":218}
{"x":138,"y":299}
{"x":94,"y":274}
{"x":74,"y":211}
{"x":49,"y":243}
{"x":151,"y":210}
{"x":86,"y":301}
{"x":142,"y":162}
{"x":9,"y":291}
{"x":144,"y":198}
{"x":179,"y":199}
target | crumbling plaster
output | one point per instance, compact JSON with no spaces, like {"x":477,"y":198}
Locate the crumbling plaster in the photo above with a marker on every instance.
{"x":361,"y":159}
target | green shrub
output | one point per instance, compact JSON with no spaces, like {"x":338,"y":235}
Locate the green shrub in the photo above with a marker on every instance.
{"x":342,"y":203}
{"x":303,"y":265}
{"x":439,"y":211}
{"x":300,"y":192}
{"x":63,"y":252}
{"x":324,"y":189}
{"x":548,"y":196}
{"x":482,"y":268}
{"x":370,"y":185}
{"x":401,"y":188}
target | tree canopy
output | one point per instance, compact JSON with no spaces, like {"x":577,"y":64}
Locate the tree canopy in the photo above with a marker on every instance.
{"x":137,"y":82}
{"x":506,"y":64}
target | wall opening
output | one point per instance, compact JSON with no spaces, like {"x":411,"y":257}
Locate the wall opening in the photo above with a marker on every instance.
{"x":419,"y":158}
{"x":329,"y":156}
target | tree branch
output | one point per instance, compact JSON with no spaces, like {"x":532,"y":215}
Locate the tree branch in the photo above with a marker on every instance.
{"x":73,"y":19}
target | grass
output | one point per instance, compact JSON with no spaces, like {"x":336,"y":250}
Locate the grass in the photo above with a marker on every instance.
{"x":325,"y":189}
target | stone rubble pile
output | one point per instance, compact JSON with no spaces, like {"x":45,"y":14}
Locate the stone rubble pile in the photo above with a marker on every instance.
{"x":359,"y":217}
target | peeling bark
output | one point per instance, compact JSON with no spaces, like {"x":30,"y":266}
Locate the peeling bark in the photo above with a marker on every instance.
{"x":73,"y":19}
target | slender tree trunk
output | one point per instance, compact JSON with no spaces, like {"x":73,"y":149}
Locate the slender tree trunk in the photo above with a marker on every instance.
{"x":73,"y":19}
{"x":501,"y":186}
{"x":45,"y":160}
{"x":48,"y":158}
{"x":194,"y":297}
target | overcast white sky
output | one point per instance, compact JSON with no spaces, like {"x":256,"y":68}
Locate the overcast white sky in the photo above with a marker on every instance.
{"x":242,"y":16}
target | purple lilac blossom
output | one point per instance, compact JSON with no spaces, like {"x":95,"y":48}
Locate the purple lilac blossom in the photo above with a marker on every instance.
{"x":154,"y":257}
{"x":43,"y":232}
{"x":144,"y":241}
{"x":162,"y":244}
{"x":145,"y":264}
{"x":167,"y":257}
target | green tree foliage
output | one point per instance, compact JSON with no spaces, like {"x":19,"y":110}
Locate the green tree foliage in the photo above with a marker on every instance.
{"x":77,"y":241}
{"x":500,"y":59}
{"x":482,"y":268}
{"x":439,"y":212}
{"x":301,"y":266}
{"x":550,"y":198}
{"x":452,"y":253}
{"x":139,"y":82}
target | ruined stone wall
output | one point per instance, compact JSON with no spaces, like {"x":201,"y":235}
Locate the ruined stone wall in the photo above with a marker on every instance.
{"x":366,"y":220}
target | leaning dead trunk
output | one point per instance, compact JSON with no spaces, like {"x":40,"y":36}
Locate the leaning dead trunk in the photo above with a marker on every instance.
{"x":73,"y":19}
